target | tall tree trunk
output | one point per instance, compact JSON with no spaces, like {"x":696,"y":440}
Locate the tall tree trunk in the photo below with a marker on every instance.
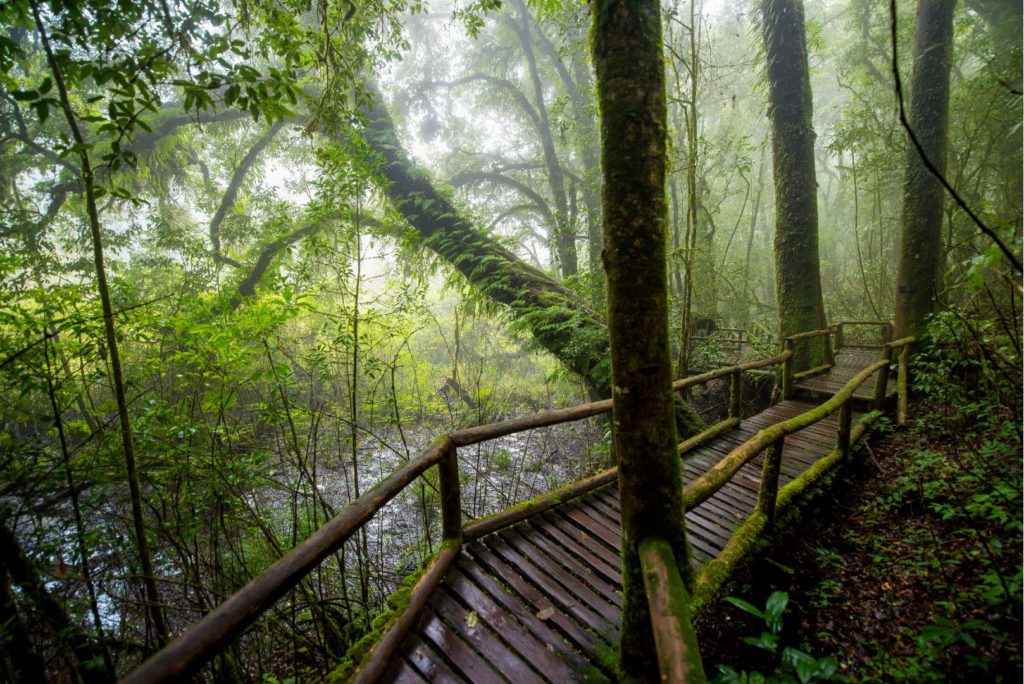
{"x":921,"y":239}
{"x":627,"y":54}
{"x":797,"y":266}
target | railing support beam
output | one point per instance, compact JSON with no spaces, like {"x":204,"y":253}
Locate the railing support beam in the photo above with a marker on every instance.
{"x":451,"y":498}
{"x":787,"y":368}
{"x":768,"y":493}
{"x":882,"y":382}
{"x":843,"y":427}
{"x":675,"y":640}
{"x":901,"y":385}
{"x":736,"y":395}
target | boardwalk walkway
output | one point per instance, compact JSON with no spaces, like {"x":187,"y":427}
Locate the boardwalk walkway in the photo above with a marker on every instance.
{"x":533,"y":593}
{"x":848,"y":363}
{"x":540,"y":601}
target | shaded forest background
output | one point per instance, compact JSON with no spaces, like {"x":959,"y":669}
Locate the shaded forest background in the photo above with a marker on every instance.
{"x":255,"y":256}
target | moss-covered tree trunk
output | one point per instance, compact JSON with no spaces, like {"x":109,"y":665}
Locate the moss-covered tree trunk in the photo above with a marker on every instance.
{"x":920,"y":269}
{"x":558,"y":319}
{"x":627,"y":52}
{"x":797,"y":267}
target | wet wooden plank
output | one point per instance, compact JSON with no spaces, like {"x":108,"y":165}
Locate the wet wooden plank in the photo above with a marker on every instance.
{"x":611,"y":516}
{"x":580,"y":569}
{"x":595,"y":529}
{"x":483,"y":637}
{"x":558,"y":596}
{"x":698,"y":522}
{"x":401,"y":672}
{"x":592,"y":545}
{"x":555,"y":630}
{"x":459,"y":654}
{"x":545,"y":632}
{"x":430,"y":664}
{"x":595,"y":560}
{"x":525,"y":645}
{"x":573,"y":580}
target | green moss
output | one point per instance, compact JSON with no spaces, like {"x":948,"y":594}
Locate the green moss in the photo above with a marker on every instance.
{"x":747,"y":540}
{"x":397,"y":602}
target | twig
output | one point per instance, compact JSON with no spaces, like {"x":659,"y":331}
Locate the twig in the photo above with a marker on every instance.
{"x":871,"y":455}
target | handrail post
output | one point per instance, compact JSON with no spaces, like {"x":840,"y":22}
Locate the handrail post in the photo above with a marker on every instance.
{"x":837,"y":330}
{"x":787,"y":368}
{"x":882,"y":381}
{"x":830,"y":357}
{"x":901,"y":384}
{"x":768,"y":494}
{"x":451,"y":498}
{"x":887,"y":333}
{"x":843,"y":428}
{"x":736,"y":395}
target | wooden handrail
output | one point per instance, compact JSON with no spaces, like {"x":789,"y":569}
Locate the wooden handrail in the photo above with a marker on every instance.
{"x":808,"y":334}
{"x":844,"y":322}
{"x":211,"y":634}
{"x":377,"y":663}
{"x":886,"y":326}
{"x":722,"y":372}
{"x":902,"y":342}
{"x":206,"y":638}
{"x":715,"y":478}
{"x":675,"y":641}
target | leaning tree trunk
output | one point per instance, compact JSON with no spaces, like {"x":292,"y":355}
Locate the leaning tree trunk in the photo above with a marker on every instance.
{"x":557,"y":319}
{"x":797,"y":267}
{"x":627,"y":54}
{"x":920,"y":267}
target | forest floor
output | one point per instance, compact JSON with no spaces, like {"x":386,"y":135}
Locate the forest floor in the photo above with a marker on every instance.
{"x":909,"y":570}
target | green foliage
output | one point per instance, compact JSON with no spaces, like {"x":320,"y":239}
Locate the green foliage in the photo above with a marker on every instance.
{"x":793,"y":666}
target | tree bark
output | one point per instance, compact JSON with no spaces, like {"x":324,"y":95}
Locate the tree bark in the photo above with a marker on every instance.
{"x":627,"y":52}
{"x":920,"y":266}
{"x":797,"y":266}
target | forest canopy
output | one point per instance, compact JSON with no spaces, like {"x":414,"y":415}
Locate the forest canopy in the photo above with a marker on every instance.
{"x":255,"y":255}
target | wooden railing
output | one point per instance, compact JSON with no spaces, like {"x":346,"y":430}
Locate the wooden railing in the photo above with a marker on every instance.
{"x":208,"y":637}
{"x":670,"y":605}
{"x":675,"y":641}
{"x":839,"y":332}
{"x":789,"y":378}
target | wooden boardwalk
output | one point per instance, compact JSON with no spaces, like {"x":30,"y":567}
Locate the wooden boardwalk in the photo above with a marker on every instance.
{"x":540,"y":601}
{"x":849,"y":362}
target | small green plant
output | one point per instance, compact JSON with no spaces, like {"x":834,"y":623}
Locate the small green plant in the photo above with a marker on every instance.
{"x":794,"y":666}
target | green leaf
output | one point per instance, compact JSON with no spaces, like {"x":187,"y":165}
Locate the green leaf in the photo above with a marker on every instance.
{"x":773,"y":609}
{"x":745,"y":606}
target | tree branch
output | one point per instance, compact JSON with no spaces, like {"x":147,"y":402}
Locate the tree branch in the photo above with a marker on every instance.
{"x":231,"y":194}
